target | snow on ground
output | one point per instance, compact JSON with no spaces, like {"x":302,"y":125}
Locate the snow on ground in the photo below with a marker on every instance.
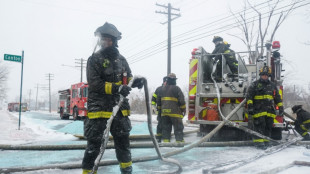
{"x":29,"y":132}
{"x":193,"y":161}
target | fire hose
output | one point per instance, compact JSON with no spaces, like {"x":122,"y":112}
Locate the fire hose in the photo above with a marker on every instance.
{"x":227,"y":120}
{"x":149,"y":121}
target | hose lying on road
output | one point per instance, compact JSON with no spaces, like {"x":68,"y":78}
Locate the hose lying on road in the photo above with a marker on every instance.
{"x":140,"y":137}
{"x":134,"y":160}
{"x":132,"y":145}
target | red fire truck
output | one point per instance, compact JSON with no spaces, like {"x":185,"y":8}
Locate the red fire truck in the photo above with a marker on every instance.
{"x":15,"y":107}
{"x":203,"y":101}
{"x":73,"y":101}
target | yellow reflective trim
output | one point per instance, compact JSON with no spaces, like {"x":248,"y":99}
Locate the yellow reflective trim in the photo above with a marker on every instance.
{"x":303,"y":127}
{"x":250,"y":102}
{"x":118,"y":83}
{"x":193,"y":63}
{"x":85,"y":171}
{"x":280,"y":104}
{"x":153,"y":103}
{"x":261,"y":97}
{"x":108,"y":88}
{"x":204,"y":113}
{"x":281,"y":93}
{"x":246,"y":115}
{"x":154,"y":95}
{"x":158,"y":135}
{"x":264,"y":114}
{"x":258,"y":140}
{"x":180,"y":141}
{"x":275,"y":121}
{"x":193,"y":76}
{"x":182,"y":107}
{"x":173,"y":115}
{"x":227,"y":51}
{"x":99,"y":114}
{"x":166,"y":140}
{"x":166,"y":110}
{"x":193,"y":91}
{"x":169,"y":99}
{"x":305,"y":122}
{"x":125,"y":112}
{"x":304,"y":134}
{"x":215,"y":101}
{"x":265,"y":140}
{"x":125,"y":165}
{"x":228,"y":101}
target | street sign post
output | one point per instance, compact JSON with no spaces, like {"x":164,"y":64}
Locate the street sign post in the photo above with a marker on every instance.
{"x":15,"y":58}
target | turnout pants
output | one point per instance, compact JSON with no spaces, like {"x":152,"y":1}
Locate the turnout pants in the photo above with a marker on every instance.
{"x":159,"y":125}
{"x":303,"y":130}
{"x":262,"y":125}
{"x":120,"y":128}
{"x":167,"y":123}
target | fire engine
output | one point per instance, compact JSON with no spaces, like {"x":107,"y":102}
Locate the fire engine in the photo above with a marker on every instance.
{"x":203,"y":101}
{"x":15,"y":107}
{"x":73,"y":101}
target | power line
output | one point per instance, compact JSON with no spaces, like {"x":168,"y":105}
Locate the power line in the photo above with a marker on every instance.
{"x":147,"y":55}
{"x":190,"y":31}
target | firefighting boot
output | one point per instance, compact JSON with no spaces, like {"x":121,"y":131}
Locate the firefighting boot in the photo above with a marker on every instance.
{"x":127,"y":170}
{"x":306,"y":138}
{"x":85,"y":171}
{"x":261,"y":146}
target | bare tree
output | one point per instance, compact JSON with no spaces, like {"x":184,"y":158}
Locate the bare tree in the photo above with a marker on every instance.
{"x":246,"y":25}
{"x":3,"y":78}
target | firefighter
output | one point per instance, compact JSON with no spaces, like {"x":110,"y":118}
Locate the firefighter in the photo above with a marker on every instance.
{"x":222,"y":47}
{"x":302,"y":123}
{"x":107,"y":75}
{"x":261,"y":99}
{"x":172,"y":104}
{"x":156,"y":108}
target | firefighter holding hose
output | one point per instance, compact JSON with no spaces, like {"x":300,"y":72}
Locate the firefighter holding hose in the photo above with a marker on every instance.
{"x":108,"y":74}
{"x":261,"y":98}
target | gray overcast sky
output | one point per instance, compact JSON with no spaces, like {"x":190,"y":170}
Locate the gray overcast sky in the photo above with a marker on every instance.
{"x":56,"y":32}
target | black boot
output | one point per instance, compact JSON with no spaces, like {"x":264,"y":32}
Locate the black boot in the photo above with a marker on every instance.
{"x":127,"y":170}
{"x":261,"y":146}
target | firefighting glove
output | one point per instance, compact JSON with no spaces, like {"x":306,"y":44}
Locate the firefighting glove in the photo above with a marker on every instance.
{"x":124,"y":90}
{"x":138,"y":83}
{"x":281,"y":111}
{"x":250,"y":109}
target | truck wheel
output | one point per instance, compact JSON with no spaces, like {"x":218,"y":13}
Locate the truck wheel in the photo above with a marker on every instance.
{"x":75,"y":114}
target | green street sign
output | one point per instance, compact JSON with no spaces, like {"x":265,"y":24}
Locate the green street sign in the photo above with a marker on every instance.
{"x":13,"y":58}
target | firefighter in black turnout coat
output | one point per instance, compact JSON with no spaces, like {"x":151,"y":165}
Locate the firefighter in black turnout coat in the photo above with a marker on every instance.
{"x":261,"y":99}
{"x":158,"y":109}
{"x":229,"y":55}
{"x":107,"y":75}
{"x":302,"y":123}
{"x":172,"y":104}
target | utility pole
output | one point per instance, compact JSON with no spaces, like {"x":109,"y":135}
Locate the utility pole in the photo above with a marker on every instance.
{"x":169,"y":8}
{"x":29,"y":98}
{"x":81,"y":64}
{"x":50,"y":76}
{"x":36,"y":107}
